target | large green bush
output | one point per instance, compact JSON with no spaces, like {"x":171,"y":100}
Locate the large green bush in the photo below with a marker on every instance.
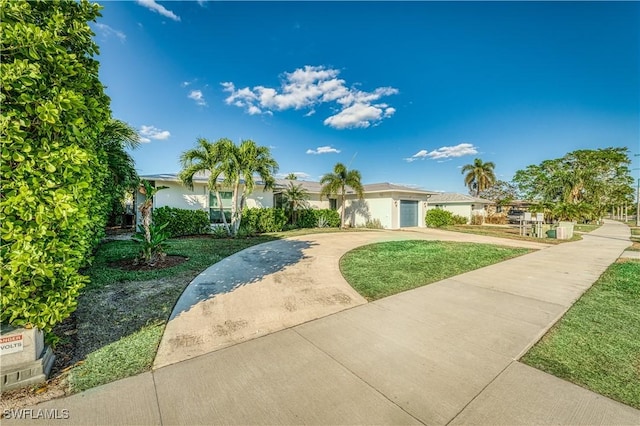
{"x":53,"y":168}
{"x":437,"y":218}
{"x":182,"y":222}
{"x":309,"y":218}
{"x":259,"y":220}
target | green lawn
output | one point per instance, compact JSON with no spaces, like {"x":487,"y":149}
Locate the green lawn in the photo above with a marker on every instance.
{"x":579,"y":227}
{"x":382,"y":269}
{"x":597,"y":343}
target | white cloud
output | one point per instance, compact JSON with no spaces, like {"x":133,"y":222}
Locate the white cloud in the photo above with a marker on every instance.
{"x":197,"y":96}
{"x":323,"y":150}
{"x":158,"y":8}
{"x":443,"y":153}
{"x":106,"y":31}
{"x":185,"y":83}
{"x":310,"y":86}
{"x":151,"y":132}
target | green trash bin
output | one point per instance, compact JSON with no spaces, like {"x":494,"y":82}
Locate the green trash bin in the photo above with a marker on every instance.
{"x":551,"y":233}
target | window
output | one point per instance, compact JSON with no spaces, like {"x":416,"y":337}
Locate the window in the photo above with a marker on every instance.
{"x":214,"y":209}
{"x":333,"y":204}
{"x":278,"y":201}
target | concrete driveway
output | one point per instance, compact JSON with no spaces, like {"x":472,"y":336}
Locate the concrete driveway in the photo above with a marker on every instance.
{"x":274,"y":286}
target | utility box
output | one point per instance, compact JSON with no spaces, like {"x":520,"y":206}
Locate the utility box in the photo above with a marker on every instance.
{"x":24,"y":359}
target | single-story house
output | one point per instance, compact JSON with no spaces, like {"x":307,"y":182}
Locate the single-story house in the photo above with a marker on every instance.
{"x":394,"y":206}
{"x":460,"y":204}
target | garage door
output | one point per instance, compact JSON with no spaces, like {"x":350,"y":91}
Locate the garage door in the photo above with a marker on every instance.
{"x":408,"y":213}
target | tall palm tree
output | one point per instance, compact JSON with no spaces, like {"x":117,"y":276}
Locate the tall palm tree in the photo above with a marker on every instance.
{"x":291,"y":176}
{"x":295,"y":198}
{"x":480,"y":176}
{"x":228,"y":164}
{"x":337,"y":182}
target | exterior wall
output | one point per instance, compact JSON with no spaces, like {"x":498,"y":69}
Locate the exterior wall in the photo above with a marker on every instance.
{"x":359,"y":212}
{"x":181,"y":197}
{"x":260,"y":198}
{"x":462,"y":209}
{"x":315,"y":202}
{"x":422,"y":205}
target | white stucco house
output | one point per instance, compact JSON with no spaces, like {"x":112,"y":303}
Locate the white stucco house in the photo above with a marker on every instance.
{"x":394,"y":206}
{"x":460,"y":204}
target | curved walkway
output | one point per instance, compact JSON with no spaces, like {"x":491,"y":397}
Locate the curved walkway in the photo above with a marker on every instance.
{"x":276,"y":285}
{"x":441,"y":354}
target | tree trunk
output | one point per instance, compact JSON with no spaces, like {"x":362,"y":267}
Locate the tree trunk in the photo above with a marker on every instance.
{"x":221,"y":208}
{"x":343,"y":209}
{"x":234,"y":208}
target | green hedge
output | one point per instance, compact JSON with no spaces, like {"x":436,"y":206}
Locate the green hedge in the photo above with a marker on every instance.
{"x":259,"y":220}
{"x":53,"y":166}
{"x":437,"y":218}
{"x":182,"y":222}
{"x":309,"y":218}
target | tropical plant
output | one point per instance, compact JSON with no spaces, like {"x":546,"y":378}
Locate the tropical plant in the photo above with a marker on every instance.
{"x":52,"y":166}
{"x":479,"y":176}
{"x":122,"y":178}
{"x":151,"y":238}
{"x":295,"y":198}
{"x":291,"y":176}
{"x":228,"y":165}
{"x":336,"y":182}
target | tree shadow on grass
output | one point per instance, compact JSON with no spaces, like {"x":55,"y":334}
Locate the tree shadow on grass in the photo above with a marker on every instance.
{"x":246,"y":267}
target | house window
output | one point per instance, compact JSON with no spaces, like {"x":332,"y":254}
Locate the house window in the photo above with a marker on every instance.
{"x":498,"y":209}
{"x":278,"y":201}
{"x":214,"y":209}
{"x":333,"y":204}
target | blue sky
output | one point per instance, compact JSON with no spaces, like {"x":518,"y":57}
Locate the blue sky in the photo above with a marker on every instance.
{"x":405,"y":92}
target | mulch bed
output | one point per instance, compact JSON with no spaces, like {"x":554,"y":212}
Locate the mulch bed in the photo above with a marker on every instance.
{"x":134,"y":265}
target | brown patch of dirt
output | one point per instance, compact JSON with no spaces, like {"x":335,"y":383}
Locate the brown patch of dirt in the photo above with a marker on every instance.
{"x":135,"y":265}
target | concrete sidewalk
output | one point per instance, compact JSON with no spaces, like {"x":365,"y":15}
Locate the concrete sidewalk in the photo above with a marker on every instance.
{"x":443,"y":353}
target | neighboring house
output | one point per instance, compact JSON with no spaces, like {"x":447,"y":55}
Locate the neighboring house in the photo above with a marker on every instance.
{"x":460,"y":204}
{"x":394,"y":206}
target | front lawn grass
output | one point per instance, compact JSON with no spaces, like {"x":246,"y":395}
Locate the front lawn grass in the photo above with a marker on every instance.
{"x":597,"y":343}
{"x":382,"y":269}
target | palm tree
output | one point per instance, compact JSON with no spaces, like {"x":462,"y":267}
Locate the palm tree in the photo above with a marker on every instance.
{"x":295,"y":198}
{"x":122,"y":177}
{"x":227,"y":165}
{"x":479,"y":176}
{"x":337,"y":181}
{"x":291,"y":176}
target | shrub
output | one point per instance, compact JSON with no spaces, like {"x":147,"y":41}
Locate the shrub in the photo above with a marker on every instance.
{"x":182,"y":222}
{"x":261,"y":220}
{"x":461,"y":220}
{"x":153,"y":249}
{"x":477,"y":219}
{"x":310,"y":218}
{"x":373,"y":224}
{"x":496,"y":219}
{"x":437,"y":218}
{"x":53,"y":167}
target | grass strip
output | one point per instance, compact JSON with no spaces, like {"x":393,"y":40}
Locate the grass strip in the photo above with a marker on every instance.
{"x":382,"y":269}
{"x":127,"y":357}
{"x":597,"y":343}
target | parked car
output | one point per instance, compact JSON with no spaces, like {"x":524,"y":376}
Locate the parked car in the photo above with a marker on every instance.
{"x":515,"y":216}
